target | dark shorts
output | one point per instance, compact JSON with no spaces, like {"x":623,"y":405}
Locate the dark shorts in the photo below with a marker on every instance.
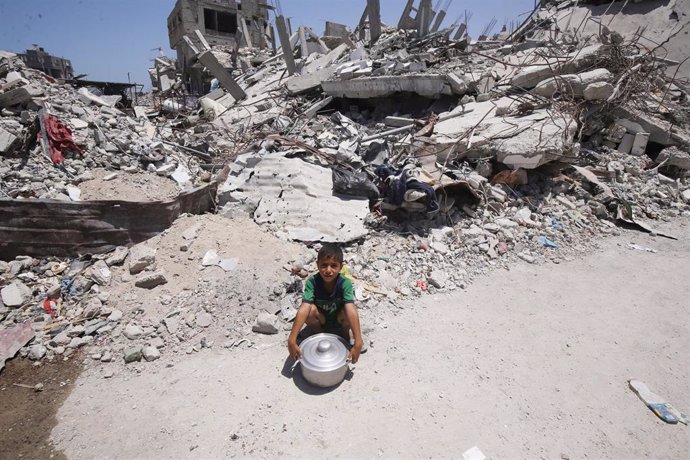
{"x":332,"y":325}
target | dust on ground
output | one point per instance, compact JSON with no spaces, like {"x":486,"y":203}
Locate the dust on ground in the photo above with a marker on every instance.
{"x":531,"y":362}
{"x":28,"y":416}
{"x":126,"y":186}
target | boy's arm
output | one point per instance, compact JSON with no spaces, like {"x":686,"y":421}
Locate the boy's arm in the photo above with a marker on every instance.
{"x":300,"y":319}
{"x":353,"y":319}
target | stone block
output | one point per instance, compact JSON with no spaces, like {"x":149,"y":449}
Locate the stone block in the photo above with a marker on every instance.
{"x":7,"y":141}
{"x":626,"y":144}
{"x":151,"y":280}
{"x":15,"y":294}
{"x":140,"y":257}
{"x":599,"y":91}
{"x":639,"y":144}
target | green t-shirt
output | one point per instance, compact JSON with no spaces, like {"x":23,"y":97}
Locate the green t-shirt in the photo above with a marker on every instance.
{"x":330,"y":303}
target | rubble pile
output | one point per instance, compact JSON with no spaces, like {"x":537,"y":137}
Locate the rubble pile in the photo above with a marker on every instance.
{"x":103,"y":137}
{"x":433,"y":159}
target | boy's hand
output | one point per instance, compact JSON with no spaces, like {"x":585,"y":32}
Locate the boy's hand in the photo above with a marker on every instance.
{"x":294,"y":351}
{"x":355,"y":352}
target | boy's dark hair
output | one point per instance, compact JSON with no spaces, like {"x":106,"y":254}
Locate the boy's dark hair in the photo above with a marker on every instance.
{"x":330,"y":250}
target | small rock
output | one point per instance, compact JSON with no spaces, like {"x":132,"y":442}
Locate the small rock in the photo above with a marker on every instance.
{"x":107,"y":357}
{"x":15,"y":295}
{"x":151,"y":353}
{"x":132,"y":354}
{"x":117,"y":257}
{"x":62,"y":339}
{"x":598,"y":91}
{"x":109,"y":373}
{"x":150,"y":281}
{"x":171,"y":324}
{"x":140,"y":257}
{"x":100,"y":273}
{"x":37,"y":352}
{"x":115,"y":315}
{"x":204,"y":319}
{"x":157,"y":342}
{"x":266,"y":323}
{"x":133,"y":332}
{"x":438,"y":279}
{"x":526,"y":257}
{"x":76,"y":331}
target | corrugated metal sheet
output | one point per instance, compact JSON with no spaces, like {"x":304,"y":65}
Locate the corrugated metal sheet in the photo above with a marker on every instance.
{"x":67,"y":229}
{"x":298,"y":196}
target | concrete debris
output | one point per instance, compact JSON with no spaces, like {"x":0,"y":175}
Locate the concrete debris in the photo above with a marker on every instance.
{"x":266,"y":323}
{"x":150,"y":353}
{"x":151,"y":280}
{"x":430,"y":156}
{"x":140,"y":257}
{"x":15,"y":295}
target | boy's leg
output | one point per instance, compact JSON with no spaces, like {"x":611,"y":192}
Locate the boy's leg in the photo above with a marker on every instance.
{"x":316,"y":320}
{"x":345,"y":324}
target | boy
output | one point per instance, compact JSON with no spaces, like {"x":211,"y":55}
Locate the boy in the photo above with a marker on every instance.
{"x":328,"y":304}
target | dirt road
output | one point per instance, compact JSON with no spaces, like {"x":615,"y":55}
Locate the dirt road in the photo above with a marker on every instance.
{"x":530,"y":363}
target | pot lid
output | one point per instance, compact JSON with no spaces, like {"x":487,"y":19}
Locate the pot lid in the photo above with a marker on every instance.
{"x":323,"y":352}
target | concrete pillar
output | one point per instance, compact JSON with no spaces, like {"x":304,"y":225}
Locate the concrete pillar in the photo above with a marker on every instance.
{"x":423,"y":18}
{"x":374,"y":9}
{"x":362,"y":23}
{"x":439,"y":20}
{"x":405,"y":17}
{"x":272,"y":35}
{"x":285,"y":43}
{"x":209,"y":61}
{"x":304,"y":48}
{"x":461,"y":31}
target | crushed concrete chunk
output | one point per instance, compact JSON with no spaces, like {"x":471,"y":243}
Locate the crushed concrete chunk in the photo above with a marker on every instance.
{"x":266,"y":323}
{"x":151,"y":280}
{"x":140,"y":257}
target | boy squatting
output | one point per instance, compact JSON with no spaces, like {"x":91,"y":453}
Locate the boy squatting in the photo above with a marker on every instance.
{"x":328,"y":304}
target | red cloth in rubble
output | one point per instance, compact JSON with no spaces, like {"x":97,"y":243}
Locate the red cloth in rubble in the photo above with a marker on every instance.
{"x":60,"y":139}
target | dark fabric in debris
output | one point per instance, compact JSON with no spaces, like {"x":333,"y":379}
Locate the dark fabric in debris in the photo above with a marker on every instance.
{"x":396,"y":182}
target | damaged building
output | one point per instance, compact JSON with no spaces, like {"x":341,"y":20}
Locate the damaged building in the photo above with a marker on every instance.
{"x":57,"y":67}
{"x":222,"y":24}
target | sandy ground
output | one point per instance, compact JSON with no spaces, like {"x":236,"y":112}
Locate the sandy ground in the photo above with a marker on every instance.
{"x":128,"y":187}
{"x":527,"y":363}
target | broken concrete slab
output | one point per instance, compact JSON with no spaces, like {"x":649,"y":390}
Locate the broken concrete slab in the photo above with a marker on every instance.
{"x":457,"y":85}
{"x":140,"y":257}
{"x":573,"y":84}
{"x":7,"y":141}
{"x":19,"y":95}
{"x":15,"y":294}
{"x":529,"y":76}
{"x":674,"y":157}
{"x":298,"y":197}
{"x":13,"y":339}
{"x":208,"y":60}
{"x":639,"y":144}
{"x":431,"y":86}
{"x":599,"y":91}
{"x":626,"y":144}
{"x":316,"y":72}
{"x":151,"y":280}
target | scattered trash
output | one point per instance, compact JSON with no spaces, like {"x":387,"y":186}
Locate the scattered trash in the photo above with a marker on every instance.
{"x":473,"y":454}
{"x":637,"y":247}
{"x":547,"y":243}
{"x":211,"y":258}
{"x":657,"y":404}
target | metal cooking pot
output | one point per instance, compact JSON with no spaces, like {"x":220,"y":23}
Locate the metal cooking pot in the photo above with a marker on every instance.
{"x":324,"y":359}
